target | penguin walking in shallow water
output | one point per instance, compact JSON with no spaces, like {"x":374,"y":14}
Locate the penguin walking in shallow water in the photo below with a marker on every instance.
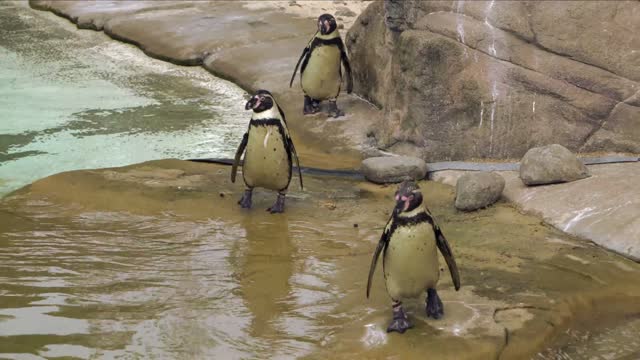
{"x":409,"y":257}
{"x":321,"y":73}
{"x":268,"y":159}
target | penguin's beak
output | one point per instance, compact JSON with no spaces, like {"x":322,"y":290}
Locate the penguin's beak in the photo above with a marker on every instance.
{"x":253,"y":103}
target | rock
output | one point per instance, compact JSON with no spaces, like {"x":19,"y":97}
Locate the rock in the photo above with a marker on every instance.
{"x":496,"y":73}
{"x":393,"y":169}
{"x":476,"y":190}
{"x":345,"y":11}
{"x":551,"y":164}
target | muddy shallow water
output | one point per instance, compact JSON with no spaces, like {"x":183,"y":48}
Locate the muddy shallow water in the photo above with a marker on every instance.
{"x":157,"y":260}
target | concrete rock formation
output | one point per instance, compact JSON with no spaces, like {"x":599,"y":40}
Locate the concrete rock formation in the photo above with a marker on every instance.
{"x":476,"y":190}
{"x":551,"y":164}
{"x":492,"y":79}
{"x":393,"y":169}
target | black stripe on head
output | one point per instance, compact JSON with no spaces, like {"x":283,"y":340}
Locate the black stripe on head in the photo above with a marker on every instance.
{"x":262,"y":100}
{"x":408,"y":197}
{"x":326,"y":24}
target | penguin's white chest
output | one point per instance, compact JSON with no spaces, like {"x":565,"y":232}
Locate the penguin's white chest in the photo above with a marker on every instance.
{"x":411,"y":261}
{"x":266,"y":162}
{"x":321,"y":78}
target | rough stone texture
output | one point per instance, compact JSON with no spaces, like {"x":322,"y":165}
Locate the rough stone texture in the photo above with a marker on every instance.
{"x":491,"y":79}
{"x":476,"y":190}
{"x":603,"y":208}
{"x":393,"y":169}
{"x":551,"y":164}
{"x":255,"y":48}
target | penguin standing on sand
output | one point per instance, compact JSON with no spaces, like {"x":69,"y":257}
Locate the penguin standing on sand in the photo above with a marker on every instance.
{"x":409,"y":256}
{"x":268,"y":159}
{"x":321,"y":73}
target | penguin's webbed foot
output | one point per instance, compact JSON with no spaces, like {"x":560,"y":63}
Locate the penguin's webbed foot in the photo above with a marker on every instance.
{"x":400,"y":322}
{"x":311,"y":106}
{"x":399,"y":325}
{"x":245,"y":201}
{"x":278,"y":206}
{"x":434,"y":307}
{"x":333,"y":109}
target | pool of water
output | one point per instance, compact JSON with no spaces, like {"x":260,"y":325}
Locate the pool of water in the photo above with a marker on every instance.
{"x":158,"y":261}
{"x":75,"y":99}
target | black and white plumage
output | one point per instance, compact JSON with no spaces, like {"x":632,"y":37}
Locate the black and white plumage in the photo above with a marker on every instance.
{"x":321,"y":71}
{"x":268,"y":151}
{"x":409,"y":245}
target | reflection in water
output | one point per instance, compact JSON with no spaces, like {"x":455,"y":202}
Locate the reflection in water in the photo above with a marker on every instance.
{"x":188,"y":274}
{"x":111,"y":284}
{"x":264,"y":269}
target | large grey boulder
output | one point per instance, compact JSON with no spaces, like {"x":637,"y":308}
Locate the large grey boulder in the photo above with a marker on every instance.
{"x":476,"y":190}
{"x":551,"y":164}
{"x":484,"y":79}
{"x":393,"y":169}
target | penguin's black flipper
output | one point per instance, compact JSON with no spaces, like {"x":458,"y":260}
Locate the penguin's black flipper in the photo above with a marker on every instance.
{"x":290,"y":148}
{"x":382,"y":245}
{"x":304,"y":55}
{"x":443,"y":245}
{"x":236,"y":161}
{"x":347,"y":66}
{"x":295,"y":154}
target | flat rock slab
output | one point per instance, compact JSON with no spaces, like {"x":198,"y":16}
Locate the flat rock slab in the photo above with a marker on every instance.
{"x":393,"y":169}
{"x":604,"y":208}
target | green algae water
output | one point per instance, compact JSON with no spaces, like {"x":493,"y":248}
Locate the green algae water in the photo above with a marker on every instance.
{"x":75,"y":99}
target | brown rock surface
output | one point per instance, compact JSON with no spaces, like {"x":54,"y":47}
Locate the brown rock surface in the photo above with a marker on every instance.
{"x":491,"y":79}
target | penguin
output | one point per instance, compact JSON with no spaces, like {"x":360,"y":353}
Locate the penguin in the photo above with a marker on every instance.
{"x":321,"y":73}
{"x":409,"y":257}
{"x":268,"y":159}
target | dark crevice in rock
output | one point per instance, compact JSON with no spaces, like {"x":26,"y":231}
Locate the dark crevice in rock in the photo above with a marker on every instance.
{"x":606,"y":119}
{"x":534,"y":42}
{"x":505,"y":61}
{"x":506,"y":343}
